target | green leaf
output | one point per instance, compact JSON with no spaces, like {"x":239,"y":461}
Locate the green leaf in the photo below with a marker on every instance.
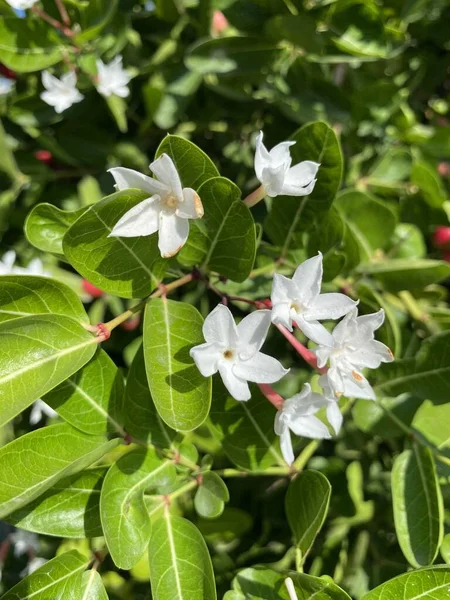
{"x":8,"y":163}
{"x":211,"y":495}
{"x":231,"y":56}
{"x":33,"y":463}
{"x":418,"y":507}
{"x":245,"y":431}
{"x":261,"y":583}
{"x":426,"y":376}
{"x":306,"y":506}
{"x":371,"y":220}
{"x":38,"y":353}
{"x":125,"y":520}
{"x":328,"y":237}
{"x":225,"y":238}
{"x":125,"y":267}
{"x":371,"y":418}
{"x":407,"y":242}
{"x":291,"y":216}
{"x":142,"y":420}
{"x":118,"y":109}
{"x":406,"y":274}
{"x":46,"y":226}
{"x":180,"y":564}
{"x":25,"y":295}
{"x":92,"y":586}
{"x":445,"y":548}
{"x":392,"y":168}
{"x":59,"y":579}
{"x":193,"y":165}
{"x":433,"y":422}
{"x":429,"y":183}
{"x":95,"y":18}
{"x":29,"y":44}
{"x":424,"y":584}
{"x":181,"y":394}
{"x":69,"y":509}
{"x":91,"y":399}
{"x":299,"y":29}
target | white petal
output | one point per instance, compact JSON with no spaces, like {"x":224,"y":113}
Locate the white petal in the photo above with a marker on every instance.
{"x":272,"y":179}
{"x":280,"y":424}
{"x":191,"y":207}
{"x":69,"y":79}
{"x":252,"y":332}
{"x":315,"y":331}
{"x":286,"y":446}
{"x":8,"y":259}
{"x":141,"y":220}
{"x":303,"y":404}
{"x":219,"y":327}
{"x":165,"y":170}
{"x":347,"y":329}
{"x":262,"y":157}
{"x":295,"y":190}
{"x":361,"y":389}
{"x":310,"y":427}
{"x":370,"y":355}
{"x":206,"y":357}
{"x":260,"y":368}
{"x":302,"y":174}
{"x":330,"y":306}
{"x":283,"y":289}
{"x":336,"y":381}
{"x":368,"y":324}
{"x":334,"y":416}
{"x":128,"y":178}
{"x":281,"y":315}
{"x":35,"y":414}
{"x":48,"y":80}
{"x":173,"y":233}
{"x":308,"y":278}
{"x":237,"y":387}
{"x":323,"y":354}
{"x":280,"y":155}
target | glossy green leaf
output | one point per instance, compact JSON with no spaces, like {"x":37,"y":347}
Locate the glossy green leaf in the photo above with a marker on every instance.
{"x":59,"y":579}
{"x":426,"y":178}
{"x":291,"y":216}
{"x":261,"y":583}
{"x":424,"y":584}
{"x":224,"y":239}
{"x":125,"y":267}
{"x":142,"y":420}
{"x":407,"y":242}
{"x":445,"y":548}
{"x":371,"y":220}
{"x":306,"y":506}
{"x":417,"y":503}
{"x":181,"y":394}
{"x":231,"y":56}
{"x":180,"y":564}
{"x":328,"y":237}
{"x":193,"y":165}
{"x":245,"y":430}
{"x":92,"y":586}
{"x":433,"y":422}
{"x":38,"y":353}
{"x":46,"y":226}
{"x":97,"y":16}
{"x":390,"y":169}
{"x":25,"y":295}
{"x":211,"y":495}
{"x":371,"y":418}
{"x":426,"y":376}
{"x":29,"y":44}
{"x":69,"y":509}
{"x":299,"y":29}
{"x":91,"y":400}
{"x":404,"y":274}
{"x":118,"y":109}
{"x":35,"y":462}
{"x":125,"y":520}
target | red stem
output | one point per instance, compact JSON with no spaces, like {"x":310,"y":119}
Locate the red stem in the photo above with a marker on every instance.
{"x":271,"y":395}
{"x":63,"y":12}
{"x":307,"y":355}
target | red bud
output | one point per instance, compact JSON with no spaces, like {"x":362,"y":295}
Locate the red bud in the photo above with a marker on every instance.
{"x":90,"y":289}
{"x":131,"y":324}
{"x":7,"y":72}
{"x":441,"y":237}
{"x":44,"y":156}
{"x":219,"y":22}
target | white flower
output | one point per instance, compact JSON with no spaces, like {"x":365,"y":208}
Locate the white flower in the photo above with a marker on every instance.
{"x":41,"y":408}
{"x":298,"y":416}
{"x":21,"y":4}
{"x":299,"y":300}
{"x":334,"y":414}
{"x":233,"y":351}
{"x":167,"y":209}
{"x":60,"y":93}
{"x":8,"y":266}
{"x":113,"y":79}
{"x":35,"y":563}
{"x":6,"y":85}
{"x":273,"y":169}
{"x":24,"y":542}
{"x":351,"y":347}
{"x":290,"y":588}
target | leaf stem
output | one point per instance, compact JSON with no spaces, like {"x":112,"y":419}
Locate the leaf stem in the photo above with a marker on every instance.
{"x":255,"y":197}
{"x":271,"y":471}
{"x":417,"y":313}
{"x":304,"y":456}
{"x":162,"y":290}
{"x":53,"y":22}
{"x":63,"y":12}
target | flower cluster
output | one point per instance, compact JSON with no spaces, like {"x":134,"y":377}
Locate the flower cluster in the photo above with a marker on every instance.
{"x":234,"y":351}
{"x":8,"y":266}
{"x":112,"y":79}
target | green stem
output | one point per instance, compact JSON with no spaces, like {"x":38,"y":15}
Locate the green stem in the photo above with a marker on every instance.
{"x":304,"y":456}
{"x":417,"y":313}
{"x":271,"y":471}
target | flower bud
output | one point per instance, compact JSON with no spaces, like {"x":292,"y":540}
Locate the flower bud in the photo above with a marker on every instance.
{"x":441,"y":237}
{"x":91,"y":289}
